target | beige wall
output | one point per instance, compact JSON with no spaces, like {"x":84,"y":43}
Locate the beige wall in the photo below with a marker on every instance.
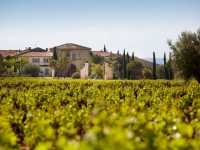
{"x":43,"y":66}
{"x":80,"y":56}
{"x":108,"y":72}
{"x":85,"y":71}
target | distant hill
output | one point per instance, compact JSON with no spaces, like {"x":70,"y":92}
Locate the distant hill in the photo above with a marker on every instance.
{"x":146,"y":63}
{"x":158,"y":60}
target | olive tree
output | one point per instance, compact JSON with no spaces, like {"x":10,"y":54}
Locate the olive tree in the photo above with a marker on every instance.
{"x":31,"y":69}
{"x":186,"y":54}
{"x":136,"y":68}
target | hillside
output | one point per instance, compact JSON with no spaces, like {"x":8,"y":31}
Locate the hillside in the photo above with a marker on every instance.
{"x":147,"y":64}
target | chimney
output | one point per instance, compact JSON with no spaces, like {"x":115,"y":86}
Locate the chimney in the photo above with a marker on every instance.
{"x":46,"y":49}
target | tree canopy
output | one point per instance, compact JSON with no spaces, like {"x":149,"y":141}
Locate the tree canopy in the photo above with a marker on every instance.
{"x":2,"y":65}
{"x":61,"y":65}
{"x":116,"y":61}
{"x":97,"y":59}
{"x":186,"y":54}
{"x":31,"y":69}
{"x":18,"y":64}
{"x":97,"y":70}
{"x":134,"y":67}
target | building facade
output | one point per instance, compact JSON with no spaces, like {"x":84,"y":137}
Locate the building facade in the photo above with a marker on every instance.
{"x":38,"y":56}
{"x":78,"y":54}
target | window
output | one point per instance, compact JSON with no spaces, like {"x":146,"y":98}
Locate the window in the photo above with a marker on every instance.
{"x":45,"y":60}
{"x":72,"y":56}
{"x":46,"y":71}
{"x":35,"y":60}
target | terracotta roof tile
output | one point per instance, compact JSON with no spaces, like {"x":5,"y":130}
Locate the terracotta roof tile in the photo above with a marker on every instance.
{"x":5,"y":53}
{"x":36,"y":54}
{"x":71,"y":46}
{"x":101,"y":53}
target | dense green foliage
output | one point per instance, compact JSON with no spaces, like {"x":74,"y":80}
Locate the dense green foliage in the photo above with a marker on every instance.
{"x":97,"y":59}
{"x":98,"y":115}
{"x":55,"y":54}
{"x":165,"y":66}
{"x":135,"y":67}
{"x":104,"y":48}
{"x":16,"y":63}
{"x":115,"y":62}
{"x":124,"y":65}
{"x":2,"y":65}
{"x":186,"y":54}
{"x":61,"y":65}
{"x":76,"y":75}
{"x":127,"y":71}
{"x":97,"y":71}
{"x":147,"y":73}
{"x":154,"y":67}
{"x":31,"y":69}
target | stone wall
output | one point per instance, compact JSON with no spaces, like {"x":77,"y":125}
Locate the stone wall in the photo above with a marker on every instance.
{"x":108,"y":74}
{"x":85,"y":71}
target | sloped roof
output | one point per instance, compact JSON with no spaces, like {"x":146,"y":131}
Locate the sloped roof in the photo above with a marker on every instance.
{"x":71,"y":46}
{"x":5,"y":53}
{"x":101,"y":53}
{"x":37,"y":49}
{"x":35,"y":52}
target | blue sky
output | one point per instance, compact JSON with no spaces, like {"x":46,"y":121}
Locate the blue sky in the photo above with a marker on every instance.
{"x":136,"y":26}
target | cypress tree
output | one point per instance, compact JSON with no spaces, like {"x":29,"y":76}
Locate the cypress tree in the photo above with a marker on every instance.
{"x":124,"y":65}
{"x":170,"y":67}
{"x":154,"y":66}
{"x":55,"y":54}
{"x":133,"y":56}
{"x":165,"y":67}
{"x":104,"y":49}
{"x":128,"y":72}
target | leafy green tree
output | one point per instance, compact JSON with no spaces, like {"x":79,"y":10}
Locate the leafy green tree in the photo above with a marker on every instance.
{"x":97,"y":70}
{"x":154,"y":66}
{"x":166,"y":70}
{"x":53,"y":63}
{"x":2,"y":65}
{"x":135,"y":67}
{"x":169,"y":67}
{"x":186,"y":54}
{"x":147,"y":73}
{"x":124,"y":65}
{"x":31,"y":69}
{"x":104,"y":49}
{"x":160,"y":71}
{"x":97,"y":59}
{"x":18,"y":64}
{"x":55,"y":54}
{"x":116,"y":61}
{"x":127,"y":61}
{"x":133,"y":56}
{"x":61,"y":65}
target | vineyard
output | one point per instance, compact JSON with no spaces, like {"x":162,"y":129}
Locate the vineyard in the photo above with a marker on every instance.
{"x":61,"y":114}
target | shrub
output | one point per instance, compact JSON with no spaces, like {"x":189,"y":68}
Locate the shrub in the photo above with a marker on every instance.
{"x":31,"y":69}
{"x":76,"y":75}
